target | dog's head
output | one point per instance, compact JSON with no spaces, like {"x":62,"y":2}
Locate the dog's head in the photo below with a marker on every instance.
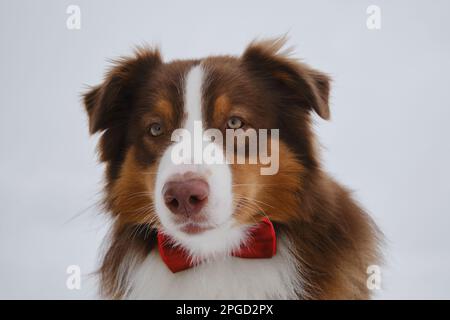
{"x":206,"y":206}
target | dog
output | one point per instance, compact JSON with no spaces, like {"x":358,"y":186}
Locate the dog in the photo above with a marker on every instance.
{"x":196,"y":230}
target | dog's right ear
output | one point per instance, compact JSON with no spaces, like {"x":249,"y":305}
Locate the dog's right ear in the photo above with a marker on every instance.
{"x":109,"y":104}
{"x":106,"y":103}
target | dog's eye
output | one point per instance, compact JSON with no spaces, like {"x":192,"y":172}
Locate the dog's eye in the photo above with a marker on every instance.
{"x":155,"y":129}
{"x":234,"y":123}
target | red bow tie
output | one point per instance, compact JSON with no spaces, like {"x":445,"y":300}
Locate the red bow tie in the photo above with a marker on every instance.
{"x":261,"y":243}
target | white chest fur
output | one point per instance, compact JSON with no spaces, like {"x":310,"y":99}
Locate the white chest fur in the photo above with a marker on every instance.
{"x":227,"y":278}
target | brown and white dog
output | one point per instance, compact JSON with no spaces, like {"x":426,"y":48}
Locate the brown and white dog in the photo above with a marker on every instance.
{"x":325,"y":241}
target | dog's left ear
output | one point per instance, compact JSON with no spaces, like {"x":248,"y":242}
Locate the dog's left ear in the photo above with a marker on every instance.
{"x":298,"y":83}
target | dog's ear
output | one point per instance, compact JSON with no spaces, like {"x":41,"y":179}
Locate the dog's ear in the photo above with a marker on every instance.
{"x":109,"y":104}
{"x":299,"y":84}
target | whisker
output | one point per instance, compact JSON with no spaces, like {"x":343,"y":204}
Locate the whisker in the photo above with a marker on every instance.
{"x":262,"y":202}
{"x":137,"y":195}
{"x":249,"y":202}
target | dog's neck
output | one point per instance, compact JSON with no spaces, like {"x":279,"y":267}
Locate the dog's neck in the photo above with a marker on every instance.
{"x":225,"y":277}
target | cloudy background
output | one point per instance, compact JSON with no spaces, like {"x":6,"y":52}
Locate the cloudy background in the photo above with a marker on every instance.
{"x":388,"y":138}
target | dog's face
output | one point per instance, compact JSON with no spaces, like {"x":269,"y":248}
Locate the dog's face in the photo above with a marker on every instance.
{"x":205,"y":206}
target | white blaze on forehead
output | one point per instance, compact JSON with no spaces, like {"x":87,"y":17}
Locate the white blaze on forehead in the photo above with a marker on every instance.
{"x":193,"y":97}
{"x":225,"y":235}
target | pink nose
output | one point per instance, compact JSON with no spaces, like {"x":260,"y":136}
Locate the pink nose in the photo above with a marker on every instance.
{"x":186,"y":197}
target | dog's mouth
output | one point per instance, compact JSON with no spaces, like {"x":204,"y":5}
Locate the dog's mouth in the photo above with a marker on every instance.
{"x":192,"y":228}
{"x":194,"y":225}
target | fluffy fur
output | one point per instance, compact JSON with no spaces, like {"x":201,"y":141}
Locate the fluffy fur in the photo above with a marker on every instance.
{"x":325,"y":239}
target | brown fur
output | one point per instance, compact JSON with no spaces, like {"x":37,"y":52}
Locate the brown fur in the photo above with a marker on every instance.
{"x":334,"y":239}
